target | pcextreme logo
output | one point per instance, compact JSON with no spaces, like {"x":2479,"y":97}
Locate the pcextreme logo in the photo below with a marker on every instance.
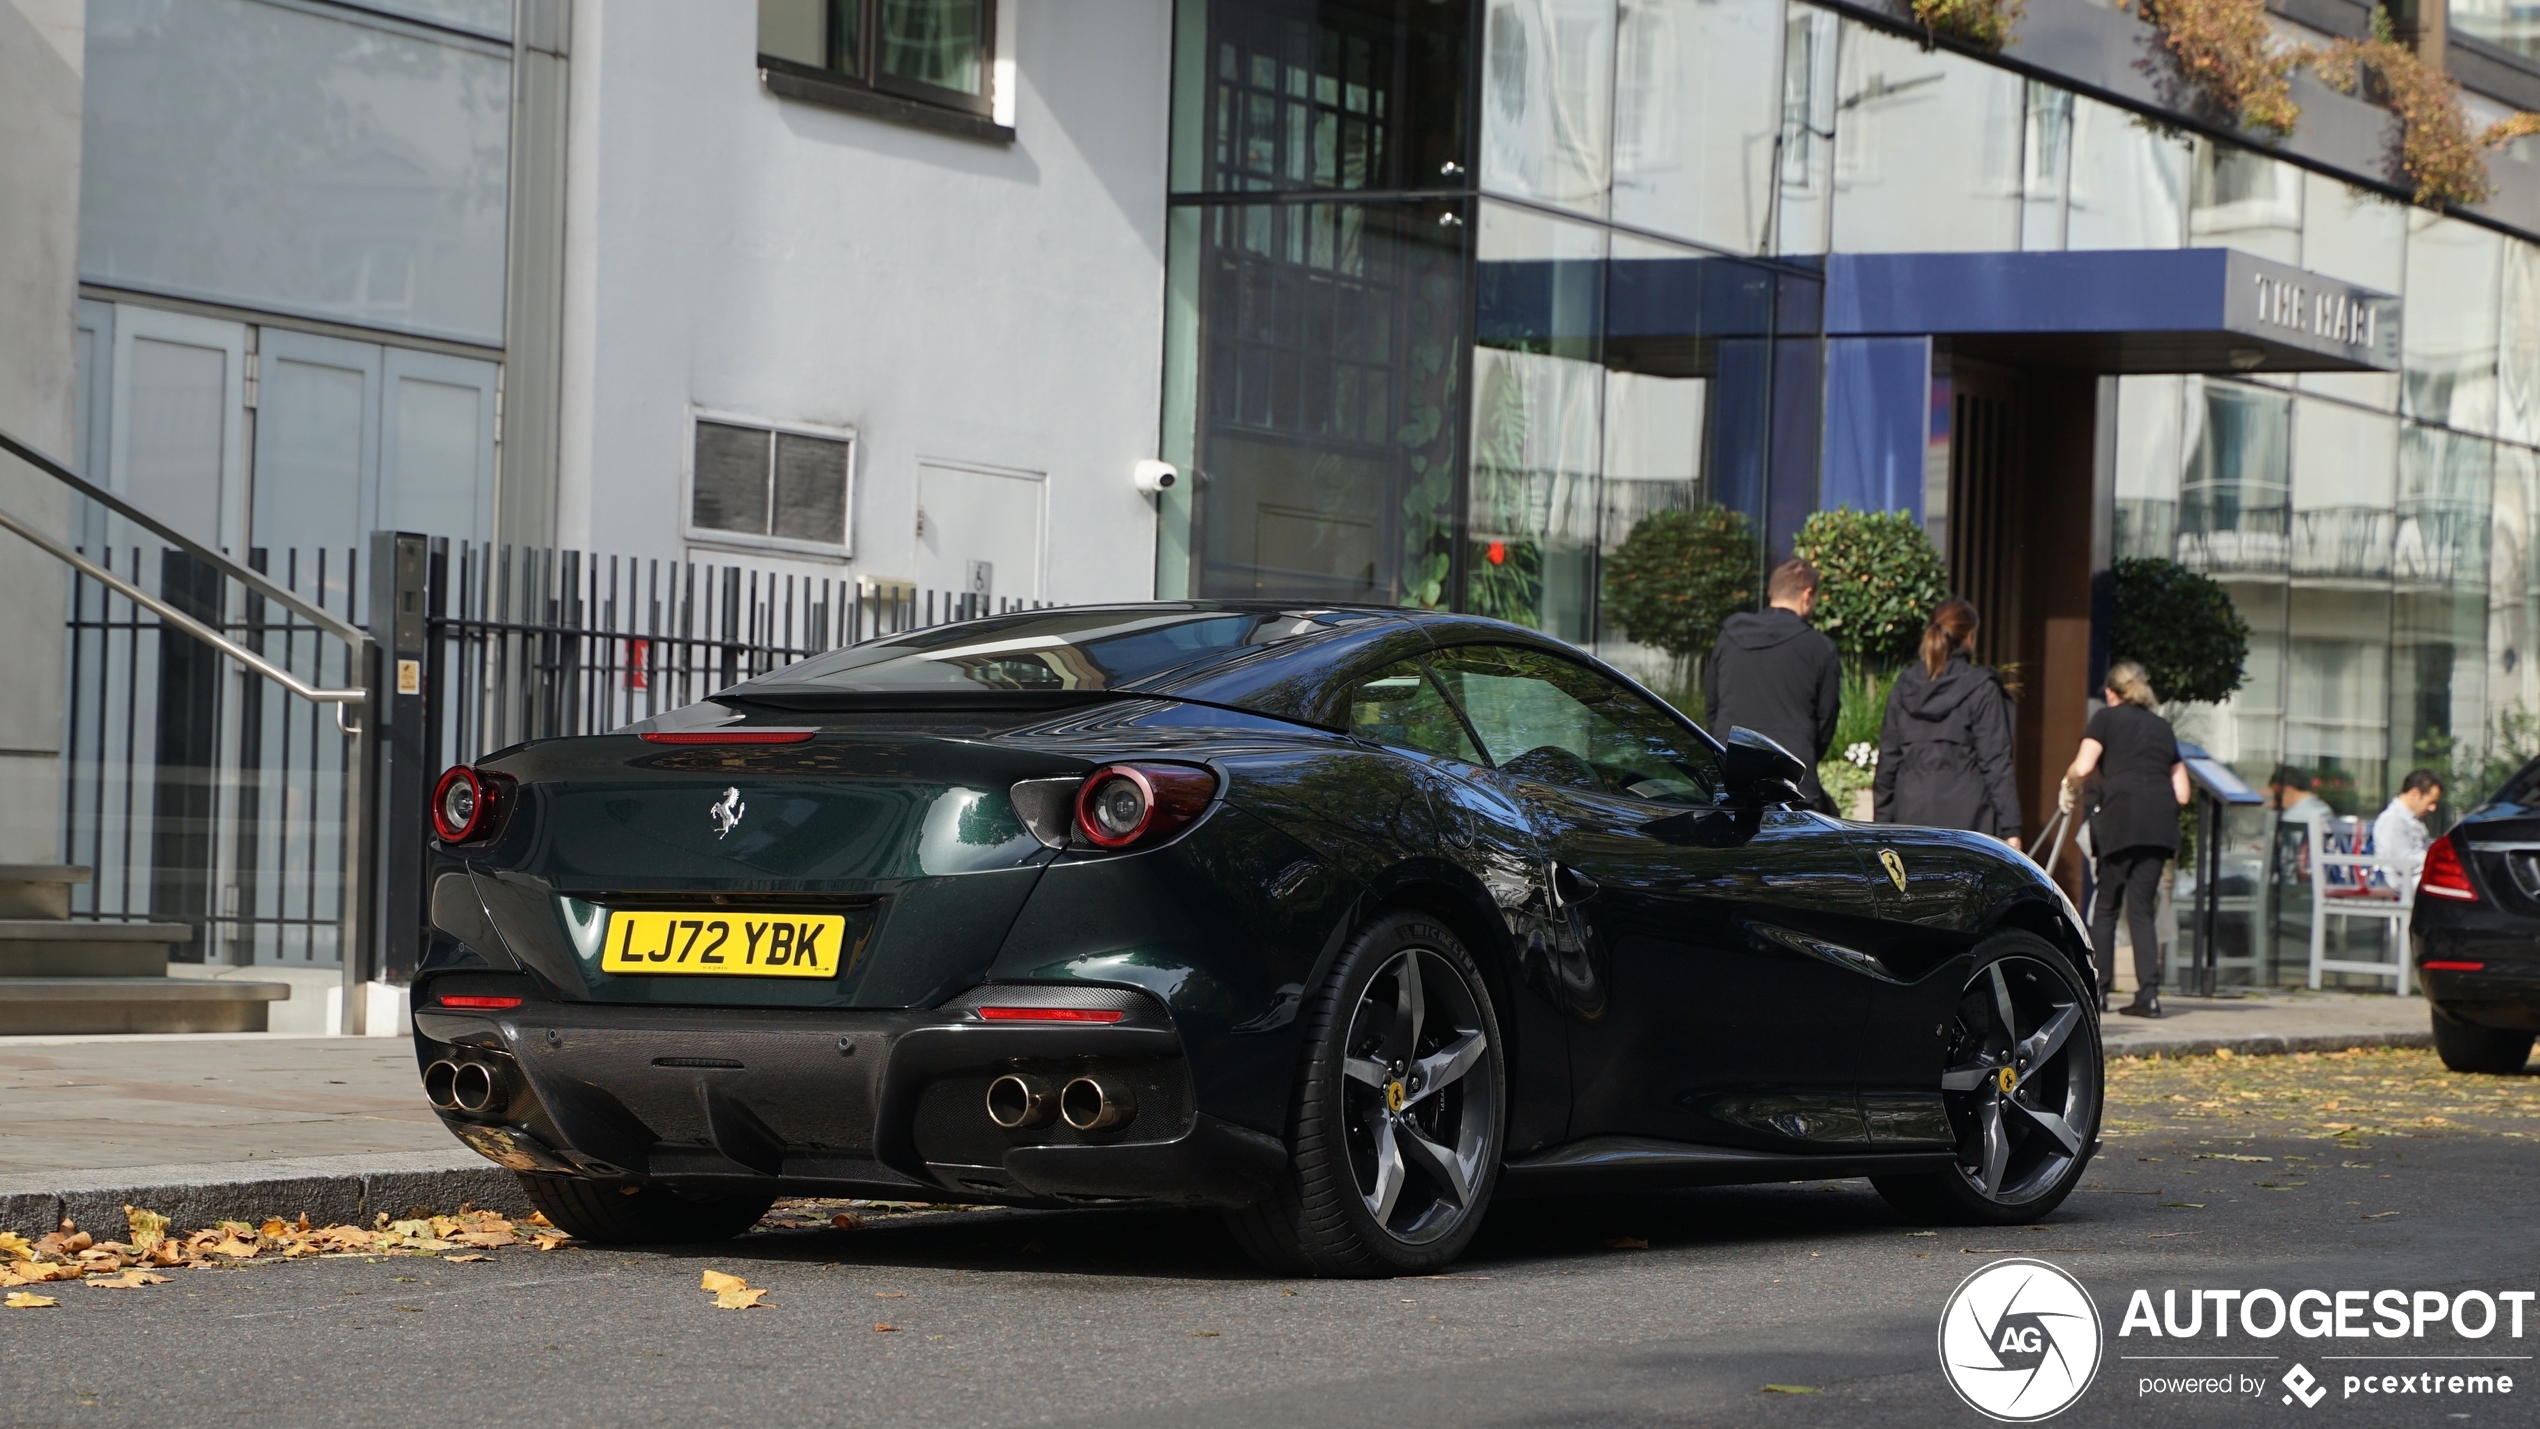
{"x":2019,"y":1341}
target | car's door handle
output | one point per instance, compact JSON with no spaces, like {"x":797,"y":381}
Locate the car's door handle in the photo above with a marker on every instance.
{"x":1571,"y":886}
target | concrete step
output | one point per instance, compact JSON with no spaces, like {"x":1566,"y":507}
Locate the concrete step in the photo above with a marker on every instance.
{"x":38,"y":890}
{"x":40,"y":947}
{"x":60,"y":1006}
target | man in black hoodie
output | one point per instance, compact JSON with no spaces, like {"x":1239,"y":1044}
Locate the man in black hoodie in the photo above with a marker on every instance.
{"x":1773,"y":673}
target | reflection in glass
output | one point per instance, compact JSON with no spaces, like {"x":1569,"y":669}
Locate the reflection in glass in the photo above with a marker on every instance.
{"x":1326,"y":409}
{"x":2448,"y":332}
{"x":2439,"y":607}
{"x":2245,"y":200}
{"x":296,"y":161}
{"x":2504,"y":23}
{"x":1538,"y":393}
{"x":2046,"y":167}
{"x":2513,"y":681}
{"x":1927,"y":151}
{"x":2344,"y":461}
{"x":1805,"y":162}
{"x":2234,"y":504}
{"x":2518,"y":346}
{"x":1697,"y":93}
{"x":934,"y":42}
{"x":2129,"y":183}
{"x":2360,"y":237}
{"x":2148,"y":467}
{"x":1548,"y":100}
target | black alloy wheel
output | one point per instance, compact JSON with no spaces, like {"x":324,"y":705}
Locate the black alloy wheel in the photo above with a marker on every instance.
{"x":2022,"y":1083}
{"x":609,"y":1214}
{"x":1395,"y":1128}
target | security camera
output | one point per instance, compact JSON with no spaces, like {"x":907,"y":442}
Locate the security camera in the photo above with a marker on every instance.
{"x":1154,"y":477}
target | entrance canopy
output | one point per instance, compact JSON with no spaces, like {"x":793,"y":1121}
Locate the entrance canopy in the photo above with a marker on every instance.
{"x":2214,"y":310}
{"x":2128,"y":311}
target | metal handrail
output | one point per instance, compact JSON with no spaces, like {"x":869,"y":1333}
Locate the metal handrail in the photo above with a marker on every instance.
{"x":353,"y":1018}
{"x":254,"y":580}
{"x":314,"y":694}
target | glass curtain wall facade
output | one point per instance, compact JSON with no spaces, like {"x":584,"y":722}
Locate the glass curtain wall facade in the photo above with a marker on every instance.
{"x":1462,"y":293}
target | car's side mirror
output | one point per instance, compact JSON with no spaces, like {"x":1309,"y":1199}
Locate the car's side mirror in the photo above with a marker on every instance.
{"x":1758,"y":773}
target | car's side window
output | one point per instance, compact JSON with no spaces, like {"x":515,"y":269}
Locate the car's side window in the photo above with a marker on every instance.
{"x":1546,"y":719}
{"x":1401,"y":707}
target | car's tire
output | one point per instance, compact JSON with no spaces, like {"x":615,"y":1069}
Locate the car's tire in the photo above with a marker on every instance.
{"x":2468,"y":1047}
{"x":640,"y":1215}
{"x":1398,"y":1114}
{"x":2022,"y":1148}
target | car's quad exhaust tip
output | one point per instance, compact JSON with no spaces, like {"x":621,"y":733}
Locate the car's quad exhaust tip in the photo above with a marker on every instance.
{"x":1096,"y":1103}
{"x":1020,"y":1102}
{"x":463,"y":1086}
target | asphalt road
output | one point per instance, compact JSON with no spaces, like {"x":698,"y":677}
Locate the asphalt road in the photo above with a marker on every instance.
{"x":1113,"y":1317}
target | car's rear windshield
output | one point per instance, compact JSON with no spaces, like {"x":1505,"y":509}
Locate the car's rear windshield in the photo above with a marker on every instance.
{"x":1048,"y":651}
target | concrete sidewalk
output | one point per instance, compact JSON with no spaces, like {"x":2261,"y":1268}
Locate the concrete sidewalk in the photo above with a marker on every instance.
{"x":238,"y":1127}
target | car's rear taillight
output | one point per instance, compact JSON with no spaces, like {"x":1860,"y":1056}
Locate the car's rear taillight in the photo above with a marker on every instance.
{"x":487,"y":1004}
{"x":729,"y":736}
{"x":2451,"y":965}
{"x":1121,"y":806}
{"x":1049,"y":1014}
{"x":2444,"y":876}
{"x":465,"y":804}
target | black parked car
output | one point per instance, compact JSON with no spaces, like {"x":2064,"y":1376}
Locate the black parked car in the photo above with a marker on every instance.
{"x":1345,"y":920}
{"x":2475,"y":931}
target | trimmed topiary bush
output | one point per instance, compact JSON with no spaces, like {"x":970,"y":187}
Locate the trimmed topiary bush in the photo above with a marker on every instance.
{"x":2180,"y":627}
{"x":1679,"y":574}
{"x":1877,"y":581}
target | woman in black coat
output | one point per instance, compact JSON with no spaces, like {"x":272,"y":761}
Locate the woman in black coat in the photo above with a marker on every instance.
{"x":1945,"y":748}
{"x":2142,"y":785}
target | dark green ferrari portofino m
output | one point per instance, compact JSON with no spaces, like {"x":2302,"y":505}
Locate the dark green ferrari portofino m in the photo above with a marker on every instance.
{"x":1345,"y":920}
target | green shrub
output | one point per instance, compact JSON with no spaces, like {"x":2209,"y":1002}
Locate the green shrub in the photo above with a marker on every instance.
{"x":2180,"y":627}
{"x":1878,"y":579}
{"x":1679,"y":574}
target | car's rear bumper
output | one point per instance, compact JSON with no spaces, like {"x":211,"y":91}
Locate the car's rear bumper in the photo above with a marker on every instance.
{"x":2502,"y":991}
{"x":883,"y":1103}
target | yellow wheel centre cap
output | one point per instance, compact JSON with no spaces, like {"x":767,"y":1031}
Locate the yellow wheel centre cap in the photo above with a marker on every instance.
{"x":2006,"y":1078}
{"x":1393,"y":1096}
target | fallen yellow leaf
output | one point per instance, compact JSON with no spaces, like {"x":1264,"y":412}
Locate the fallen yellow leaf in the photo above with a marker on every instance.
{"x":132,"y":1279}
{"x":15,"y":1246}
{"x":149,"y":1228}
{"x":234,"y":1248}
{"x":464,"y":1258}
{"x":1788,"y":1389}
{"x":717,"y":1280}
{"x":738,"y":1299}
{"x":881,"y":1329}
{"x":20,"y":1300}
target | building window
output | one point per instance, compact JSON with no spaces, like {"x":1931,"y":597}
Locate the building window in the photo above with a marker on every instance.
{"x":789,"y":488}
{"x":935,"y":52}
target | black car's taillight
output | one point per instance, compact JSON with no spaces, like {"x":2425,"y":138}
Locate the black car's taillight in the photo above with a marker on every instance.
{"x":467,"y":804}
{"x":2444,"y":875}
{"x":1122,"y":806}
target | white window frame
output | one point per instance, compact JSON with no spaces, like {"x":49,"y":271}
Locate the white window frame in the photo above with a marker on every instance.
{"x":707,"y":536}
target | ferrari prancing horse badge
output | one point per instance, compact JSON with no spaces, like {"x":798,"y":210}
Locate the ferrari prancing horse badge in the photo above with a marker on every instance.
{"x":1895,"y":868}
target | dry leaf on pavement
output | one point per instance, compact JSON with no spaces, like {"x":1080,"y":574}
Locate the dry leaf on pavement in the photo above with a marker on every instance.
{"x":149,"y":1228}
{"x":20,"y":1300}
{"x":742,"y":1299}
{"x":132,"y":1279}
{"x":462,"y":1259}
{"x":882,"y":1329}
{"x":717,"y":1280}
{"x":14,"y":1246}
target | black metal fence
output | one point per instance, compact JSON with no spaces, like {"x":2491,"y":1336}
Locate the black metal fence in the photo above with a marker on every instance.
{"x":207,"y":795}
{"x":199,"y":792}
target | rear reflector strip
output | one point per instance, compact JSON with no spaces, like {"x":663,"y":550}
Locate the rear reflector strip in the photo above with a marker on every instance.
{"x":1049,"y":1014}
{"x":490,"y":1004}
{"x":729,"y":736}
{"x":2450,"y":967}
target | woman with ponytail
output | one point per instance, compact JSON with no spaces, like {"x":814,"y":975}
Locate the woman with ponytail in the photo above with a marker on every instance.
{"x":1945,"y":749}
{"x":2142,"y":786}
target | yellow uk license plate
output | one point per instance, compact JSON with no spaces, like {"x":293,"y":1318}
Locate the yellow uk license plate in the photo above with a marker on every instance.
{"x":725,"y":944}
